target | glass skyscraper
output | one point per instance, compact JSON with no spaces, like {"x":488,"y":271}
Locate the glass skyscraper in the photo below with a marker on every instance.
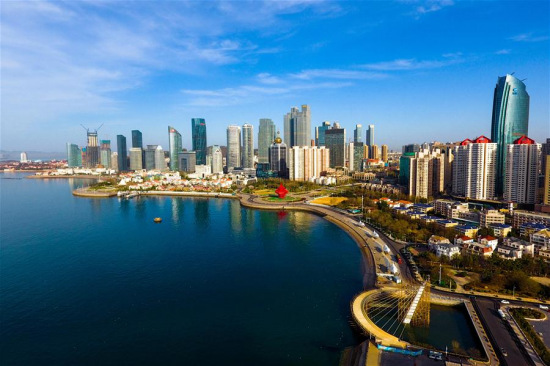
{"x":370,"y":139}
{"x":233,"y":147}
{"x":298,"y":127}
{"x":510,"y":120}
{"x":266,"y":134}
{"x":335,"y":141}
{"x":174,"y":145}
{"x":198,"y":135}
{"x":74,"y":156}
{"x":358,"y":134}
{"x":122,"y":153}
{"x":137,"y":139}
{"x":320,"y":133}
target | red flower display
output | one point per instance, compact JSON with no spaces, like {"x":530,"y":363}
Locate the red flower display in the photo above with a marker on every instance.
{"x":281,"y":191}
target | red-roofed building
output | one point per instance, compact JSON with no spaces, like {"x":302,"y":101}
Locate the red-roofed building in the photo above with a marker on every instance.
{"x":524,"y":140}
{"x":482,"y":140}
{"x":488,"y":240}
{"x":521,"y":178}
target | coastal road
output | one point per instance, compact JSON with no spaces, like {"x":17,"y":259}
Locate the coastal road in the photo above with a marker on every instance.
{"x":503,"y":335}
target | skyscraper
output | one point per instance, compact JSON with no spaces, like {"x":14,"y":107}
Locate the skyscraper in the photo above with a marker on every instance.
{"x":149,"y":157}
{"x":24,"y":158}
{"x":174,"y":145}
{"x":233,"y":147}
{"x":358,"y":134}
{"x":137,"y":139}
{"x":320,"y":133}
{"x":298,"y":127}
{"x":335,"y":141}
{"x":306,"y":162}
{"x":136,"y":158}
{"x":370,"y":139}
{"x":385,"y":153}
{"x":187,"y":161}
{"x":122,"y":153}
{"x":114,"y":161}
{"x":266,"y":134}
{"x":278,"y":156}
{"x":521,"y":173}
{"x":160,"y":161}
{"x":474,"y":168}
{"x":105,"y":153}
{"x":375,"y":154}
{"x":509,"y":121}
{"x":217,"y":159}
{"x":198,"y":131}
{"x":74,"y":156}
{"x":92,"y":149}
{"x":248,"y":146}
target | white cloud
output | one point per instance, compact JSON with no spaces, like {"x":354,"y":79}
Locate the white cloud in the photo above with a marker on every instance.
{"x":337,"y":74}
{"x":528,"y":37}
{"x":413,"y":64}
{"x":503,"y":52}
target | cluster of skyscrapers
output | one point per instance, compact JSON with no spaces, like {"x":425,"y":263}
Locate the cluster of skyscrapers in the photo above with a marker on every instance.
{"x":508,"y":166}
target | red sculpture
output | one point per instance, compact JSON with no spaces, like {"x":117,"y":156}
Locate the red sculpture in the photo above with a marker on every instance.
{"x":281,"y":191}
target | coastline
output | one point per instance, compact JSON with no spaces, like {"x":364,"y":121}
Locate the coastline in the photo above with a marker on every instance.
{"x":77,"y":176}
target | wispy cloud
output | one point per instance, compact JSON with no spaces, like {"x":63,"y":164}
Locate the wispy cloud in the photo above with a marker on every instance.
{"x":413,"y":64}
{"x":51,"y":61}
{"x":429,"y":6}
{"x":337,"y":74}
{"x":503,"y":52}
{"x":529,"y":37}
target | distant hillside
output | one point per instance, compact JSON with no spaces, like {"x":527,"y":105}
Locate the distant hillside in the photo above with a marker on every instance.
{"x":32,"y":155}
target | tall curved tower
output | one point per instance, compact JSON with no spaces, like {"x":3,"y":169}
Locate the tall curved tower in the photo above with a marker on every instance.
{"x":510,"y":119}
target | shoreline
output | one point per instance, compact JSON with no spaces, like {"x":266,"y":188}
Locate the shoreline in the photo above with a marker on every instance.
{"x":77,"y":176}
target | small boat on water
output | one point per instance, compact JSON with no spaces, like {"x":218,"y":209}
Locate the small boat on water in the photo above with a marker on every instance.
{"x":157,"y":220}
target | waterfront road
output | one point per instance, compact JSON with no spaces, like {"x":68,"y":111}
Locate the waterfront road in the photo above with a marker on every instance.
{"x":502,"y":335}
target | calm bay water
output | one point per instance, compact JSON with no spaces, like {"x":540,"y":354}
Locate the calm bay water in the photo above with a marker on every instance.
{"x":95,"y":281}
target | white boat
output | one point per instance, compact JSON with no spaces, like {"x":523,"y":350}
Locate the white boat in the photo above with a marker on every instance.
{"x":375,"y":234}
{"x":360,"y":223}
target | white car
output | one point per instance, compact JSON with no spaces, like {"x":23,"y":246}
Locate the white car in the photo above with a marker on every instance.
{"x":505,"y":301}
{"x":543,"y":307}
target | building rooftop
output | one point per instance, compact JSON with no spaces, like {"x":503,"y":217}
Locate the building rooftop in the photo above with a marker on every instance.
{"x":487,"y":237}
{"x":501,"y":226}
{"x":543,"y":232}
{"x":534,"y":225}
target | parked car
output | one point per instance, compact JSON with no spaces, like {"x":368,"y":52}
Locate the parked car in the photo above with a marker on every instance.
{"x":543,"y":307}
{"x":505,"y":301}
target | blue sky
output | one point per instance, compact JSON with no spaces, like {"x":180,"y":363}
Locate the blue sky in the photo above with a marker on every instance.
{"x":418,"y":70}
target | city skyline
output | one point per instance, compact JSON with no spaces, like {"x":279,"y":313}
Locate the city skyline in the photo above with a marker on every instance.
{"x":150,"y":71}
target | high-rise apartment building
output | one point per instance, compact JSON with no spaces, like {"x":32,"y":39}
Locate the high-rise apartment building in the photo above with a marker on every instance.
{"x":105,"y":153}
{"x":217,"y":160}
{"x":122,"y":153}
{"x":136,"y":158}
{"x":370,"y":139}
{"x":306,"y":162}
{"x":198,"y":135}
{"x":278,"y":156}
{"x":474,"y":169}
{"x":521,"y":173}
{"x":423,"y":173}
{"x":375,"y":154}
{"x":510,"y":120}
{"x":298,"y":127}
{"x":266,"y":135}
{"x":385,"y":153}
{"x":114,"y":161}
{"x":160,"y":161}
{"x":174,"y":145}
{"x":23,"y":157}
{"x":546,"y":193}
{"x":233,"y":147}
{"x":358,"y":134}
{"x":411,"y":148}
{"x":74,"y":156}
{"x":248,"y":146}
{"x":137,"y":139}
{"x":320,"y":133}
{"x":335,"y":141}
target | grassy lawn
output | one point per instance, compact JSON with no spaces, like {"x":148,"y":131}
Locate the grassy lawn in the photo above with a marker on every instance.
{"x":264,"y":192}
{"x":277,"y":199}
{"x":329,"y":201}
